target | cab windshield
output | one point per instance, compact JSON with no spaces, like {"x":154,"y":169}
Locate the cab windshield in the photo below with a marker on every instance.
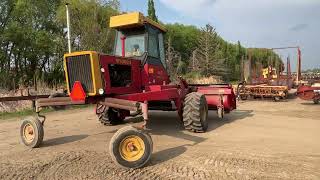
{"x":134,"y":45}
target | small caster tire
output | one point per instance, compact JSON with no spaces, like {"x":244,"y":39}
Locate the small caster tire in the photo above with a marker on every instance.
{"x":130,"y":147}
{"x":243,"y":97}
{"x":31,"y":132}
{"x":276,"y":99}
{"x":316,"y":101}
{"x":220,"y":112}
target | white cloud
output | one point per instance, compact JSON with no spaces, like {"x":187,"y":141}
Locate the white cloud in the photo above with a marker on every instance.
{"x":207,"y":9}
{"x":195,"y":8}
{"x":259,"y":23}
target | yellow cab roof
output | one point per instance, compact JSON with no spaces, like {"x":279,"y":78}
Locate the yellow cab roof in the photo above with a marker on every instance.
{"x":134,"y":19}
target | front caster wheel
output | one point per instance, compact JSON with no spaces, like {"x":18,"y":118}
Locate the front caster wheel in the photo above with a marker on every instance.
{"x":130,"y":147}
{"x":31,"y":132}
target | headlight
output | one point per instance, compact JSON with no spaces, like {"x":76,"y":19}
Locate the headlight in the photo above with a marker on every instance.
{"x":101,"y":91}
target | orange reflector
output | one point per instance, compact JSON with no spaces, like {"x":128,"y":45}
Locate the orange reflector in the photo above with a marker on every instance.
{"x":77,"y":93}
{"x":151,"y":70}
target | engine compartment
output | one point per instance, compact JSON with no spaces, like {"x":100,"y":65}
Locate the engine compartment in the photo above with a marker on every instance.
{"x":120,"y":75}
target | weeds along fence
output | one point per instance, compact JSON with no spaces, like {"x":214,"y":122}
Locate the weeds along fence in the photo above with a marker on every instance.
{"x":204,"y":80}
{"x":22,"y":98}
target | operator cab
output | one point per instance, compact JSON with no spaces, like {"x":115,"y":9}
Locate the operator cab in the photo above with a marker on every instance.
{"x":139,"y":37}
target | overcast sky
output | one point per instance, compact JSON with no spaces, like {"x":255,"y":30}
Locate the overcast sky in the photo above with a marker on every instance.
{"x":255,"y":23}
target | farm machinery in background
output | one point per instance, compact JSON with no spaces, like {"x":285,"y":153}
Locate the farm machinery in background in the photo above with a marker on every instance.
{"x":271,"y":81}
{"x":128,"y":83}
{"x":270,"y":84}
{"x":309,"y":90}
{"x":309,"y":93}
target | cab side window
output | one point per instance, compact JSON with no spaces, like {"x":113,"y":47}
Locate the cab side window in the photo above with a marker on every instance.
{"x":153,"y":49}
{"x":161,"y":49}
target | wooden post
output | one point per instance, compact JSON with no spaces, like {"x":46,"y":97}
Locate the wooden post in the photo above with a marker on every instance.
{"x":249,"y":68}
{"x":299,"y":66}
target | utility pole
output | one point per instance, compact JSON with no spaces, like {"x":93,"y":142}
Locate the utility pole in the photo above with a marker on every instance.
{"x":242,"y":69}
{"x":68,"y":28}
{"x":299,"y":66}
{"x":288,"y":70}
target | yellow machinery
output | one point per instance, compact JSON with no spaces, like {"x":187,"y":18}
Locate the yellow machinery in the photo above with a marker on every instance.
{"x":269,"y":72}
{"x":134,"y":19}
{"x":75,"y":70}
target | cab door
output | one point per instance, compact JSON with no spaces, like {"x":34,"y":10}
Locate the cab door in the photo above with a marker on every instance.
{"x":154,"y":71}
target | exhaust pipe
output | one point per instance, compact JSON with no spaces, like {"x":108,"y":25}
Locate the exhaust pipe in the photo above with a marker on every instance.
{"x":121,"y":104}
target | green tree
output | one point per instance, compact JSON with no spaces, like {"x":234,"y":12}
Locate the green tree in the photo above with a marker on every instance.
{"x":33,"y":37}
{"x":33,"y":41}
{"x":89,"y":25}
{"x":173,"y":60}
{"x":29,"y":38}
{"x":114,"y":4}
{"x":208,"y":46}
{"x":184,"y":40}
{"x":152,"y":11}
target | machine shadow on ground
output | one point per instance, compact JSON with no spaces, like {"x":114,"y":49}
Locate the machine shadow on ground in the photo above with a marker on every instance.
{"x":215,"y":122}
{"x":168,"y":123}
{"x":310,"y":103}
{"x":63,"y":140}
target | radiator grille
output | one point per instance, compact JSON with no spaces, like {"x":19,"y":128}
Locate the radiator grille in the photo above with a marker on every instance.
{"x":79,"y":69}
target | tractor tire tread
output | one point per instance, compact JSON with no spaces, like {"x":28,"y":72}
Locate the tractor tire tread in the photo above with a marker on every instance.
{"x":192,"y":112}
{"x":108,"y":118}
{"x":115,"y":139}
{"x":38,"y":127}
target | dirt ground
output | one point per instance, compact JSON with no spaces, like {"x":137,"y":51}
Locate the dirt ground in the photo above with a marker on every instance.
{"x":260,"y":140}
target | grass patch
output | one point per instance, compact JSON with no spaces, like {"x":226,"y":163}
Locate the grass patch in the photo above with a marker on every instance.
{"x":234,"y":82}
{"x":31,"y":112}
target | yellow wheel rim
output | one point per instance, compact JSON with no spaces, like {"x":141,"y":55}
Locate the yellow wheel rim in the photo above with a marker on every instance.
{"x":132,"y":148}
{"x":28,"y":133}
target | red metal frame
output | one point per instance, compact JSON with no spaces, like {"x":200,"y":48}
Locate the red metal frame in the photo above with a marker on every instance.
{"x":154,"y":75}
{"x":123,"y":46}
{"x":308,"y":93}
{"x":135,"y":86}
{"x":219,"y":97}
{"x":155,"y":82}
{"x":150,"y":82}
{"x":140,"y":77}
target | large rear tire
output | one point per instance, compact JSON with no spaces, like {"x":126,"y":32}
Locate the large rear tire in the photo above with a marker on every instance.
{"x":31,"y":132}
{"x":130,"y":147}
{"x":110,"y":116}
{"x":195,"y":112}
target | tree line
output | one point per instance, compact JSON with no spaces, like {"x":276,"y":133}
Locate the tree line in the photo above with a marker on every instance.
{"x":33,"y":41}
{"x":197,"y":52}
